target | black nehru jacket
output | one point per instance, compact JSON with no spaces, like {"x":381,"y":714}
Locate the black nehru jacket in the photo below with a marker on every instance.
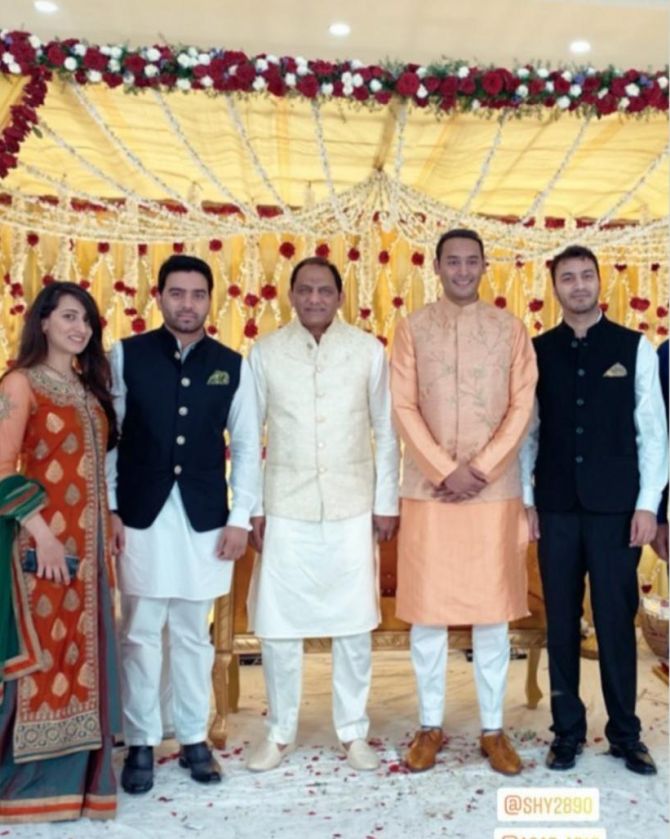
{"x":586,"y":393}
{"x":173,"y":428}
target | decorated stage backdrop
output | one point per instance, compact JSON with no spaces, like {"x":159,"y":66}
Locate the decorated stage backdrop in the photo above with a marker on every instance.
{"x":111,"y":159}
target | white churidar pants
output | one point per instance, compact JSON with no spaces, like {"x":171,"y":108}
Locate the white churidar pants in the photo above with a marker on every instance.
{"x":190,"y":667}
{"x":352,"y":669}
{"x":490,"y":645}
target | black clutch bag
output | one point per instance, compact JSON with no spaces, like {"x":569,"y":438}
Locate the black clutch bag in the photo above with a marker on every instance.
{"x":29,"y":563}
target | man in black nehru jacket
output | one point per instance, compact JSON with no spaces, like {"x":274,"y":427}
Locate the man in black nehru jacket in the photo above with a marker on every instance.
{"x":176,"y":391}
{"x":598,"y":452}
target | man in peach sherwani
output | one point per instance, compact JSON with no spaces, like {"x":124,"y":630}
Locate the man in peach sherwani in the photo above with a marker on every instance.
{"x":463,"y":377}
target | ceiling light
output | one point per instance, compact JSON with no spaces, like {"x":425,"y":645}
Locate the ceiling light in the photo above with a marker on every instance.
{"x":340,"y":29}
{"x":580,"y":47}
{"x":45,"y":6}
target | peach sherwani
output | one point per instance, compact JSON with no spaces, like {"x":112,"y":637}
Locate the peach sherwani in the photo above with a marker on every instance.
{"x":463,"y":382}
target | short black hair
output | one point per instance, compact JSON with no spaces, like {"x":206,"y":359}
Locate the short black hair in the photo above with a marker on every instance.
{"x":458,"y":233}
{"x":182,"y":262}
{"x":573,"y":252}
{"x":324,"y":263}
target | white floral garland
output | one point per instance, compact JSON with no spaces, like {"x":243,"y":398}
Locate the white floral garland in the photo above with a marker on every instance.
{"x":486,"y":166}
{"x":627,"y":196}
{"x":325,"y":165}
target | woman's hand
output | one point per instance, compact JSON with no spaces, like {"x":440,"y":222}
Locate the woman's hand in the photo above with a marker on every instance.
{"x":51,"y":560}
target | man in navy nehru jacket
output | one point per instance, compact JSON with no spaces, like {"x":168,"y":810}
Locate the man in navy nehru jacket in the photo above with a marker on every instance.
{"x":598,"y":452}
{"x":176,"y":391}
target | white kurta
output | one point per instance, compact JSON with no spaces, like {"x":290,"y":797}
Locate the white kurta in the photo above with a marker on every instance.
{"x":169,"y":559}
{"x":320,"y":578}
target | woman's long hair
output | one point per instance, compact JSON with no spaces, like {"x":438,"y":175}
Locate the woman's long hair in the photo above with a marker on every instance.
{"x":93,"y":365}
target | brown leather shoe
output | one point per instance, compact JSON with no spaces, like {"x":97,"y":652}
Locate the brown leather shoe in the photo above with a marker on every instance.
{"x":501,"y":753}
{"x":423,"y":749}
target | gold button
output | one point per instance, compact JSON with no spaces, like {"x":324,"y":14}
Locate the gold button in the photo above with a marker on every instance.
{"x":183,"y":411}
{"x":177,"y":470}
{"x":186,"y":381}
{"x":181,"y":440}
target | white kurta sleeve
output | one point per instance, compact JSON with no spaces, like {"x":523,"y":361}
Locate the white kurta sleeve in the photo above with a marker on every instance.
{"x":387,"y":455}
{"x":119,"y":401}
{"x":651,"y":433}
{"x":245,"y":450}
{"x":260,"y":383}
{"x":528,"y":457}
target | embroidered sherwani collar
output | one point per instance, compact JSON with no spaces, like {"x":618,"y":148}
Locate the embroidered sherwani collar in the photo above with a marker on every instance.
{"x":453,"y":310}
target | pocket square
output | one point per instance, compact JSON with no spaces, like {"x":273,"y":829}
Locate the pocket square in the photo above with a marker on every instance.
{"x":219,"y":377}
{"x":616,"y":371}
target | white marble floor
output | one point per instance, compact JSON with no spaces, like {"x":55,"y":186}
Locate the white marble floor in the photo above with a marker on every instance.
{"x":314,"y":795}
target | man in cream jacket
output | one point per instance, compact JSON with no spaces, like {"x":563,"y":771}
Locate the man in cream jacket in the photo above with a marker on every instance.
{"x":328,"y":491}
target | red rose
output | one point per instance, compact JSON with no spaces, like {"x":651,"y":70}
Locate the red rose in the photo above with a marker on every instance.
{"x":322,"y":250}
{"x":245,"y":74}
{"x":85,"y":284}
{"x":19,"y":309}
{"x":268,"y":291}
{"x":154,"y":291}
{"x":353,"y":254}
{"x":383,"y":96}
{"x":361,"y":94}
{"x":662,"y":312}
{"x":384,"y":257}
{"x":211,"y":329}
{"x":662,"y":330}
{"x":519,"y":263}
{"x":537,"y":326}
{"x":234,"y":290}
{"x":130,"y":312}
{"x":535,"y":87}
{"x":16,"y":290}
{"x":620,"y":266}
{"x":47,"y":279}
{"x":408,"y":84}
{"x":639,"y":304}
{"x":308,"y":86}
{"x":215,"y":244}
{"x":138,"y":325}
{"x":103,"y":247}
{"x":322,"y":68}
{"x":492,"y":82}
{"x":365,"y":313}
{"x":535,"y":305}
{"x":467,"y":86}
{"x":604,"y":306}
{"x":287,"y":249}
{"x":119,"y":285}
{"x":276,"y":86}
{"x":398,"y":302}
{"x":56,"y":55}
{"x":250,"y":329}
{"x":134,"y":64}
{"x":112,"y":79}
{"x":142,"y":249}
{"x":500,"y":302}
{"x":418,"y":259}
{"x":561,"y":86}
{"x":449,"y":86}
{"x":32,"y":239}
{"x":251,"y":300}
{"x":642,"y":326}
{"x":95,"y":60}
{"x":655,"y":266}
{"x":383,"y":340}
{"x":607,"y":105}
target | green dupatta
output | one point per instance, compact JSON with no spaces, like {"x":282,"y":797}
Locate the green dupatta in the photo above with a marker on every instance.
{"x":19,"y":499}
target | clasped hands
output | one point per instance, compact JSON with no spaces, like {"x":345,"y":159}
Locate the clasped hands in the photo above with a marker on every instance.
{"x":465,"y":482}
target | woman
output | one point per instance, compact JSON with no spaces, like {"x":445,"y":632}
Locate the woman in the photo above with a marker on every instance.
{"x":60,"y":708}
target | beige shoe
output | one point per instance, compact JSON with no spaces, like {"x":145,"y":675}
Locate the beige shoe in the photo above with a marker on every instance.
{"x":268,"y":755}
{"x":361,"y":756}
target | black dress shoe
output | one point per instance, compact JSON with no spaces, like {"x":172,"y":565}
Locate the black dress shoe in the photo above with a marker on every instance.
{"x":198,"y":758}
{"x":138,"y":770}
{"x":637,"y":758}
{"x":563,"y":753}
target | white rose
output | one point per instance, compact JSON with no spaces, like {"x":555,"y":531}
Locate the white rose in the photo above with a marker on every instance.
{"x":272,"y":59}
{"x":192,"y":51}
{"x":232,"y":69}
{"x":94,"y":76}
{"x":542,"y":72}
{"x":357,"y":80}
{"x":105,"y":49}
{"x":34,"y":42}
{"x":356,"y":64}
{"x":153,"y":54}
{"x":523,"y":72}
{"x":116,"y":52}
{"x":602,"y":93}
{"x":204,"y":58}
{"x":567,"y":75}
{"x":79,"y":49}
{"x":14,"y":68}
{"x":475,"y":105}
{"x":575,"y":90}
{"x":662,"y":82}
{"x":70,"y":63}
{"x":632,"y":89}
{"x":421,"y":93}
{"x":327,"y":89}
{"x":624,"y":102}
{"x":463,"y":72}
{"x":259,"y":83}
{"x":113,"y":65}
{"x":151,"y":70}
{"x":375,"y":85}
{"x":591,"y":71}
{"x":302,"y":69}
{"x":261,"y":65}
{"x":206,"y":81}
{"x":549,"y":87}
{"x":347,"y":77}
{"x":522,"y":91}
{"x":7,"y":58}
{"x":290,"y":80}
{"x":128,"y":79}
{"x":422,"y":72}
{"x":184,"y":60}
{"x":184,"y":84}
{"x":563,"y":102}
{"x":347,"y":89}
